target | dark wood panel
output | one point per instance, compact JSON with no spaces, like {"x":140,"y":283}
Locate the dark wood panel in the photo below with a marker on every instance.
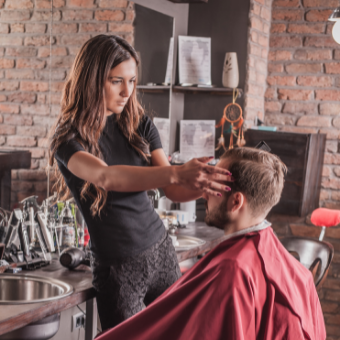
{"x":303,"y":155}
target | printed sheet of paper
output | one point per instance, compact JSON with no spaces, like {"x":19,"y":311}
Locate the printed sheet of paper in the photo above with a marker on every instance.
{"x":194,"y":59}
{"x":168,"y":75}
{"x":163,"y":127}
{"x":197,"y":138}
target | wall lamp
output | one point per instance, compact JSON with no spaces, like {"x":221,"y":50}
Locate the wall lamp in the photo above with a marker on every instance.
{"x":335,"y":16}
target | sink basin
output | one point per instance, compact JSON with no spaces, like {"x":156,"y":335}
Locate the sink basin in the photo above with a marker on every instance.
{"x":23,"y":289}
{"x":187,"y":242}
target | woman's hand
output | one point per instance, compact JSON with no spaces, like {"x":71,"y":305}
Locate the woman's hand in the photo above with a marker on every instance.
{"x":197,"y":175}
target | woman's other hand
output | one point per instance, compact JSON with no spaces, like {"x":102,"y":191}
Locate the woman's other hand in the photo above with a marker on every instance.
{"x":198,"y":175}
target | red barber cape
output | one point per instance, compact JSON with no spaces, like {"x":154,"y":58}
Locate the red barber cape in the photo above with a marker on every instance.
{"x":248,"y":287}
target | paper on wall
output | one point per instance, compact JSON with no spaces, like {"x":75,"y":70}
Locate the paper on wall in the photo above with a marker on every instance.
{"x":197,"y":138}
{"x":163,"y":127}
{"x":194,"y":59}
{"x":168,"y":75}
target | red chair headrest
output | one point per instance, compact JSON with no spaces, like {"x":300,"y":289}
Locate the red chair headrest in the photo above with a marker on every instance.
{"x":323,"y":217}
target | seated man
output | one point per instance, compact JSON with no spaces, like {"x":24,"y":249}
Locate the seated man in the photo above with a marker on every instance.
{"x":249,"y":286}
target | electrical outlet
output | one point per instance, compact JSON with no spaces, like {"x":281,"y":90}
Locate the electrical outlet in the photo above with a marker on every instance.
{"x":78,"y":321}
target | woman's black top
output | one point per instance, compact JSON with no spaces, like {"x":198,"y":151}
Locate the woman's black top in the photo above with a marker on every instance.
{"x":128,"y":224}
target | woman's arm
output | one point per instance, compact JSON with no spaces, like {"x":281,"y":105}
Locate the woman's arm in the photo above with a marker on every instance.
{"x":194,"y":175}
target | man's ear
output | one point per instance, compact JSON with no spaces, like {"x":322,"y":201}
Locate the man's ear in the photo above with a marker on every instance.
{"x":238,"y":201}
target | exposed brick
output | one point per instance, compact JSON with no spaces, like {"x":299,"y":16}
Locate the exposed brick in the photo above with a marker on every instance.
{"x":332,"y":68}
{"x":326,"y":171}
{"x":22,"y":97}
{"x":278,"y":28}
{"x":331,"y":95}
{"x":36,"y":28}
{"x":38,"y":40}
{"x":44,"y":52}
{"x":306,"y":28}
{"x":270,"y":93}
{"x":313,"y":55}
{"x":336,"y":122}
{"x":113,"y":3}
{"x":295,"y":94}
{"x":55,"y":75}
{"x":6,"y":63}
{"x":17,"y":28}
{"x":280,"y":55}
{"x":272,"y":106}
{"x":279,"y":119}
{"x":38,"y":153}
{"x":329,"y":109}
{"x":129,"y":15}
{"x":319,"y":41}
{"x":73,"y":50}
{"x":46,"y":4}
{"x":9,"y":108}
{"x":109,"y":15}
{"x":3,"y":98}
{"x":330,"y":133}
{"x":285,"y":41}
{"x":93,"y":27}
{"x":81,"y":3}
{"x":320,"y":3}
{"x":303,"y":68}
{"x":77,"y":15}
{"x":37,"y":86}
{"x":46,"y":16}
{"x":337,"y":171}
{"x":38,"y":131}
{"x":324,"y":195}
{"x":337,"y":54}
{"x":31,"y":63}
{"x":18,"y":120}
{"x":10,"y":41}
{"x":4,"y":28}
{"x":318,"y":15}
{"x":43,"y":142}
{"x":9,"y":85}
{"x":7,"y":130}
{"x":11,"y":15}
{"x":19,"y":4}
{"x":45,"y":121}
{"x":315,"y":81}
{"x":281,"y":80}
{"x":299,"y":108}
{"x":286,"y":3}
{"x":297,"y":129}
{"x":20,"y":74}
{"x":41,"y":110}
{"x":287,"y":15}
{"x":75,"y":39}
{"x":332,"y":159}
{"x":65,"y":28}
{"x":21,"y":141}
{"x":254,"y":50}
{"x":57,"y":86}
{"x":21,"y":51}
{"x":331,"y":146}
{"x":2,"y":51}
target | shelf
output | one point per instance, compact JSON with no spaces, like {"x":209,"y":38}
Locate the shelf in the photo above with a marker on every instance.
{"x":225,"y":91}
{"x":153,"y":89}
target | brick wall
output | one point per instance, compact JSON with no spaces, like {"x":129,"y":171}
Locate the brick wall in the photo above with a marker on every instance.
{"x":25,"y":115}
{"x":304,"y":79}
{"x":258,"y":47}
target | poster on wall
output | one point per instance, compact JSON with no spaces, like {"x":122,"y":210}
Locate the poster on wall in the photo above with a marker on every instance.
{"x":168,"y":75}
{"x":163,"y":127}
{"x":197,"y":138}
{"x":194,"y":59}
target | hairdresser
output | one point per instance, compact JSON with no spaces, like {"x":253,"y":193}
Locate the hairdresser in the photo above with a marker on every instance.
{"x":108,"y":154}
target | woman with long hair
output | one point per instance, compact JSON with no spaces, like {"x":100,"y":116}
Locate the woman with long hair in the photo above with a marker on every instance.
{"x":108,"y":154}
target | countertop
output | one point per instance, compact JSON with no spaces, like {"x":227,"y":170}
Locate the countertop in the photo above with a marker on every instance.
{"x":16,"y":316}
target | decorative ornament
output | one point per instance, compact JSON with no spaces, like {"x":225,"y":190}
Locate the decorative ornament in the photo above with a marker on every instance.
{"x":230,"y":76}
{"x":232,"y":113}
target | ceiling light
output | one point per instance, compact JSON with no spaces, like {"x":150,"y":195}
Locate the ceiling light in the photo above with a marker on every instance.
{"x":335,"y":16}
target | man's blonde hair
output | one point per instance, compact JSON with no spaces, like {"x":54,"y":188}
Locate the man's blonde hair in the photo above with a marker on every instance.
{"x":258,"y":175}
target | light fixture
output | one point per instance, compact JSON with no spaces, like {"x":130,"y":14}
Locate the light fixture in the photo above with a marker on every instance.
{"x":335,"y":16}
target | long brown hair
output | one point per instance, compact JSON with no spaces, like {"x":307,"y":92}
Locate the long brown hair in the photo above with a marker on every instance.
{"x":82,"y":115}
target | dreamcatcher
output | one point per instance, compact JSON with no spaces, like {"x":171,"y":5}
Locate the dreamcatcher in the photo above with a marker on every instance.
{"x":232,"y":113}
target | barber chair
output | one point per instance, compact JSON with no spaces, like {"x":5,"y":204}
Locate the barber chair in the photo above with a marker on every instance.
{"x":313,"y":254}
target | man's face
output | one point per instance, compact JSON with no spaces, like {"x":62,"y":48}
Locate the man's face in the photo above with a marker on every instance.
{"x":217,"y":214}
